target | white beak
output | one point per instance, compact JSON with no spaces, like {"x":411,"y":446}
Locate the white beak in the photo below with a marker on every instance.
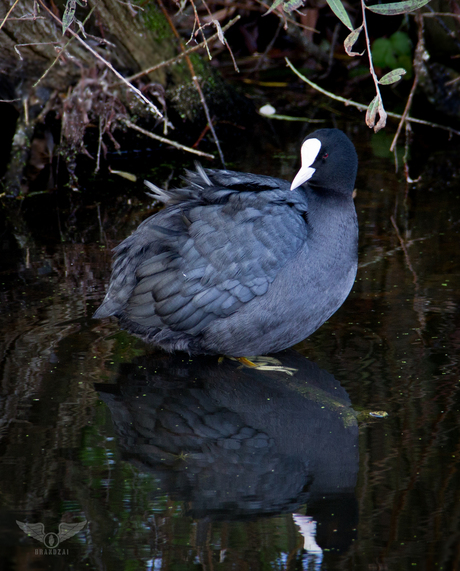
{"x":308,"y":154}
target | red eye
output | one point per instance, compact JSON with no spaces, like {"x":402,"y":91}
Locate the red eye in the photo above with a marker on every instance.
{"x":325,"y":155}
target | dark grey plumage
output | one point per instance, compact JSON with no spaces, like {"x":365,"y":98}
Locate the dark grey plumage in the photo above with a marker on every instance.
{"x":239,"y":264}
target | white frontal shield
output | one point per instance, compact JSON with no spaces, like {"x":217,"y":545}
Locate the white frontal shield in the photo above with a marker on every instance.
{"x":308,"y":154}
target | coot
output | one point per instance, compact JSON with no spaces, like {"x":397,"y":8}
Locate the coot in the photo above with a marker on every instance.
{"x":242,"y":264}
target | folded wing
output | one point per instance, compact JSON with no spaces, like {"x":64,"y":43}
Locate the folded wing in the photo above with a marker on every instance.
{"x":215,"y":248}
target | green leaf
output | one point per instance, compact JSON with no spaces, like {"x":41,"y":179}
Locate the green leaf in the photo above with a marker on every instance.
{"x":337,"y":7}
{"x":402,"y":7}
{"x":392,"y":76}
{"x":401,"y":43}
{"x":382,"y":53}
{"x":371,"y":112}
{"x":69,"y":15}
{"x":350,"y":41}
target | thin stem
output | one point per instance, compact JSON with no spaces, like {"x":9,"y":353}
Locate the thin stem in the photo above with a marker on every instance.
{"x":69,"y":41}
{"x":195,"y":81}
{"x":183,"y":54}
{"x":381,"y":110}
{"x":220,"y":33}
{"x":418,"y":62}
{"x":131,"y":87}
{"x":164,"y":140}
{"x":268,"y":48}
{"x":362,"y":106}
{"x":200,"y":28}
{"x":8,"y":13}
{"x":369,"y":54}
{"x":405,"y":113}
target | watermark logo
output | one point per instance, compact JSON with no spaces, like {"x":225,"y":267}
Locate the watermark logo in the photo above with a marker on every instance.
{"x":51,"y":540}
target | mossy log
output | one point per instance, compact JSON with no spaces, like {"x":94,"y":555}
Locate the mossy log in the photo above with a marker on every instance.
{"x":31,"y":40}
{"x":44,"y":70}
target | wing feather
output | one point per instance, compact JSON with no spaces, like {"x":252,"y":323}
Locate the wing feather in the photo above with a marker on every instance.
{"x":170,"y":305}
{"x":216,"y":247}
{"x":141,"y":298}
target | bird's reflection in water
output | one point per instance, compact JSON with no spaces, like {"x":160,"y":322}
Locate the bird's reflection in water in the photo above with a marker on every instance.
{"x":234,"y":442}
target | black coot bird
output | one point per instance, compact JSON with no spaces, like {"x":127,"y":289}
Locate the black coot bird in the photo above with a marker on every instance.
{"x":241,"y":264}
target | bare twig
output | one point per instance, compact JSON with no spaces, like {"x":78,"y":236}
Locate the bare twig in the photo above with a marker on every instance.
{"x":99,"y":145}
{"x":368,"y":45}
{"x":32,"y":44}
{"x":363,"y":107}
{"x":418,"y":62}
{"x":183,"y":54}
{"x":269,"y":47}
{"x":26,"y":19}
{"x":195,"y":81}
{"x":200,"y":28}
{"x":285,"y":18}
{"x":335,"y":36}
{"x":8,"y":13}
{"x":131,"y":87}
{"x":164,"y":140}
{"x":380,"y":109}
{"x":405,"y":113}
{"x":220,"y":32}
{"x":436,"y":14}
{"x":63,"y":50}
{"x":440,"y":20}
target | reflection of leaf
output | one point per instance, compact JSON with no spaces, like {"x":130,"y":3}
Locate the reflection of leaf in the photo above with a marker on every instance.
{"x":337,"y":7}
{"x":350,"y":41}
{"x":69,"y":15}
{"x":392,"y":76}
{"x":402,"y":7}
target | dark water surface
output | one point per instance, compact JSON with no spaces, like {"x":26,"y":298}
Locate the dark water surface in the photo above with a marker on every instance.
{"x":179,"y":463}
